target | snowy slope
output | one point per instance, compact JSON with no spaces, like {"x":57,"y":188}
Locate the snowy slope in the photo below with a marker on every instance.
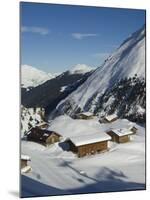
{"x":121,"y":168}
{"x":125,"y":62}
{"x":32,"y":77}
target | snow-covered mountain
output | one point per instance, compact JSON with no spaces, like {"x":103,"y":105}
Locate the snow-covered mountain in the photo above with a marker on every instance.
{"x":80,"y":69}
{"x":50,"y":93}
{"x":127,"y":64}
{"x":32,"y":77}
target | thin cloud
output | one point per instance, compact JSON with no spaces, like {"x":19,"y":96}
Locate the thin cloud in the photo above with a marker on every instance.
{"x":34,"y":29}
{"x":80,"y":36}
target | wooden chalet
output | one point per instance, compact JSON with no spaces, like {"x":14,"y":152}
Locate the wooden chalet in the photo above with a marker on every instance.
{"x":108,"y":119}
{"x":84,"y":115}
{"x":88,"y":144}
{"x":24,"y":164}
{"x":133,"y":129}
{"x":43,"y":136}
{"x":120,"y":135}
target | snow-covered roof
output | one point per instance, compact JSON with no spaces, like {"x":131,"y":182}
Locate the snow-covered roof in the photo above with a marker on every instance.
{"x":88,"y":114}
{"x":89,"y":139}
{"x":122,"y":132}
{"x":25,"y":169}
{"x":25,"y":157}
{"x":42,"y":123}
{"x":130,"y":127}
{"x":110,"y":117}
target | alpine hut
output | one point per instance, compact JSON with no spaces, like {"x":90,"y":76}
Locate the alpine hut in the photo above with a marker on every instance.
{"x":120,"y":135}
{"x":133,"y":129}
{"x":84,"y":115}
{"x":89,"y":144}
{"x":43,"y":136}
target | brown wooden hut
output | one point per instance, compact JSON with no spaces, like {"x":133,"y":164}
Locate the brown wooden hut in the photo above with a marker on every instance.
{"x":120,"y":135}
{"x":133,"y":129}
{"x":43,"y":136}
{"x":89,"y":144}
{"x":84,"y":115}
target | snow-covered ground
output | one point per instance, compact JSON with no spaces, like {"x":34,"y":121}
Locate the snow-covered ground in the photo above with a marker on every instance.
{"x":57,"y":171}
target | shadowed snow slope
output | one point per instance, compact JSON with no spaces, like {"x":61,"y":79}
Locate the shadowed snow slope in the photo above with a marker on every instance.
{"x":125,"y":62}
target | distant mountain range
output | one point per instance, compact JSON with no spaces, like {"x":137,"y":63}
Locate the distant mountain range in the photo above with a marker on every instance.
{"x":53,"y":89}
{"x":32,"y":77}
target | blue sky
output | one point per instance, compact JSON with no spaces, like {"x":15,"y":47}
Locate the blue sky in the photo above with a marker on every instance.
{"x":56,"y":37}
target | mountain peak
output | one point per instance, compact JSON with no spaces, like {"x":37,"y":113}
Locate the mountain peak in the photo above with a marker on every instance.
{"x":80,"y":69}
{"x":32,"y":77}
{"x":126,"y":62}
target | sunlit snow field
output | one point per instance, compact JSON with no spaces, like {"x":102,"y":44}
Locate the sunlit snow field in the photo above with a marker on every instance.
{"x":62,"y":172}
